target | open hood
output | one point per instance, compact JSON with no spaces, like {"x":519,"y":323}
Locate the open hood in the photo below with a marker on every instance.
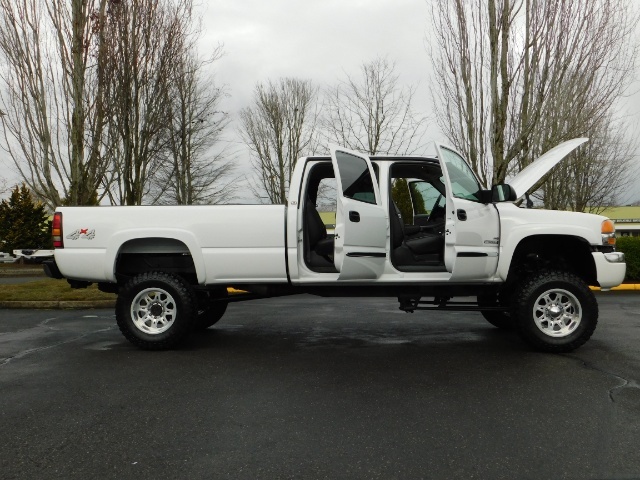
{"x":528,"y":177}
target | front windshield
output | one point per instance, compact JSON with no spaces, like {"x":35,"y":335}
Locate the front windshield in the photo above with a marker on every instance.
{"x":464,"y":183}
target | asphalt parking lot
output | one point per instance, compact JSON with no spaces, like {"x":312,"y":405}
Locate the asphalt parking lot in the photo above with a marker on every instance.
{"x":305,"y":387}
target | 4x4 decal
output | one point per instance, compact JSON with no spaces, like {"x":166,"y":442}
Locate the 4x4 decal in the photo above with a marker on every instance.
{"x":82,"y":233}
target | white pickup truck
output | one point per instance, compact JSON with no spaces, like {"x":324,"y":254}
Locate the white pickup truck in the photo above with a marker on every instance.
{"x":527,"y":269}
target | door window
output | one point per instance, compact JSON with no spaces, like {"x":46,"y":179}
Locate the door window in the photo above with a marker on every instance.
{"x":416,"y":190}
{"x":326,"y":201}
{"x":425,"y":197}
{"x":356,"y":180}
{"x":464,"y":183}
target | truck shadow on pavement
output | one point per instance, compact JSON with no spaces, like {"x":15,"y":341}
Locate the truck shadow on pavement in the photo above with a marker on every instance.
{"x":295,"y":339}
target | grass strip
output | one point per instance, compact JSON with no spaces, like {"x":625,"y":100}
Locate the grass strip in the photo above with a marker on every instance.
{"x":57,"y":290}
{"x":50,"y":290}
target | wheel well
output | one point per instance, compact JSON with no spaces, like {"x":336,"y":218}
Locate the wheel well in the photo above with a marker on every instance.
{"x":572,"y":254}
{"x":143,"y":255}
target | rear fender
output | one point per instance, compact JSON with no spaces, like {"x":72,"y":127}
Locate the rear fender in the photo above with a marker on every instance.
{"x":117,"y":241}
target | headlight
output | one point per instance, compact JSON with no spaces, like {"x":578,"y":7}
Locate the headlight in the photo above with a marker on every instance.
{"x":608,"y":233}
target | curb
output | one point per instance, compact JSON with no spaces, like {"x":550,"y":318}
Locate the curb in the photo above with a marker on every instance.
{"x":22,"y":273}
{"x":72,"y":304}
{"x":60,"y":304}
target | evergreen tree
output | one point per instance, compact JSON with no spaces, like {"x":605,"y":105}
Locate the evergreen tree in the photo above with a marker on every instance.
{"x":402,"y":198}
{"x":24,"y":223}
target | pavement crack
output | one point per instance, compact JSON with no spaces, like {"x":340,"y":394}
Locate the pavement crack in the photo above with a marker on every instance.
{"x":29,"y":351}
{"x":624,"y":382}
{"x":41,"y":324}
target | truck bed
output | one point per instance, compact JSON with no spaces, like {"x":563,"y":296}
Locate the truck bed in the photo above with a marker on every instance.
{"x":228,"y":243}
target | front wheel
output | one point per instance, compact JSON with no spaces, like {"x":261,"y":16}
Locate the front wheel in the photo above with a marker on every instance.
{"x":555,"y":311}
{"x":155,"y":310}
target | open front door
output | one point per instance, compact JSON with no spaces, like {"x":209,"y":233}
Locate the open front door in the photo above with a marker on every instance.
{"x":472,"y":229}
{"x":361,"y":221}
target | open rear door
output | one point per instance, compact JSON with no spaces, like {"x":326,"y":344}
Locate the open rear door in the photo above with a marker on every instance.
{"x":361,"y":221}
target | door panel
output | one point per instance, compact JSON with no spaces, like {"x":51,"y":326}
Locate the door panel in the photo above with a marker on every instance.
{"x":472,"y":232}
{"x":361,"y":221}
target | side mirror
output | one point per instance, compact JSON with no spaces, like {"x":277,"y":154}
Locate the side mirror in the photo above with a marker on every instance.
{"x":503,"y":193}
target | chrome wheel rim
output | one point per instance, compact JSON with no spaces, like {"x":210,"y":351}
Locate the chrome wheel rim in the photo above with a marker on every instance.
{"x":153,"y":311}
{"x":557,"y":313}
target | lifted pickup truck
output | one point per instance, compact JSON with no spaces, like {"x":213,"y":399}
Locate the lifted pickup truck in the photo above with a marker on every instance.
{"x":526,"y":269}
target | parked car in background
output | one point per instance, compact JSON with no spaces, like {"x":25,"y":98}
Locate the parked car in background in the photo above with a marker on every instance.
{"x":6,"y":258}
{"x":32,"y":255}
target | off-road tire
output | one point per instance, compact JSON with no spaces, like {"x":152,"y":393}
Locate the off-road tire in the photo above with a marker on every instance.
{"x":156,"y":310}
{"x":210,"y":311}
{"x":555,"y":311}
{"x":502,"y":320}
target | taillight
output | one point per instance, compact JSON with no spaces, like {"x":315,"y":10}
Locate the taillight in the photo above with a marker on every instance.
{"x":56,"y":230}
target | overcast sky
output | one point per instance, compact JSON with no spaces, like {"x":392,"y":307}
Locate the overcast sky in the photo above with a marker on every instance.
{"x":315,"y":40}
{"x":320,"y":41}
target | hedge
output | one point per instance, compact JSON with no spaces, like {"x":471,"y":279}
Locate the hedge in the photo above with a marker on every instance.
{"x":631,"y":248}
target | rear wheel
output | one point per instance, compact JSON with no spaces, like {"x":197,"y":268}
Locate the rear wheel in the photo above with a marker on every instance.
{"x":155,"y":310}
{"x":211,"y":308}
{"x":555,"y":311}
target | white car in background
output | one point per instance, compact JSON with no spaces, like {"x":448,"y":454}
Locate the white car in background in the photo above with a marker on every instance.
{"x":6,"y":258}
{"x":32,"y":255}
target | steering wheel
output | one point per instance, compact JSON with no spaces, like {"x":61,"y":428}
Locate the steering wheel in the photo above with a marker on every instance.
{"x":436,"y":220}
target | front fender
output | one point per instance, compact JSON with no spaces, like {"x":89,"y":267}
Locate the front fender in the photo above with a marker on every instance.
{"x":518,"y":224}
{"x":517,"y":235}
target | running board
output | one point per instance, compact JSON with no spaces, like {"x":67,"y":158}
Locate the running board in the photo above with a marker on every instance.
{"x":443,"y":304}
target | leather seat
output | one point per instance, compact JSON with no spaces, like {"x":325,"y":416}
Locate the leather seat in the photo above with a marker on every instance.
{"x":319,"y":243}
{"x":409,"y":248}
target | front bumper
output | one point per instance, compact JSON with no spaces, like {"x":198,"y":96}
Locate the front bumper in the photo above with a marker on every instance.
{"x":611,"y":268}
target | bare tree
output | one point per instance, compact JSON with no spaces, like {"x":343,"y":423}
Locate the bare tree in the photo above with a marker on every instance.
{"x":145,"y":41}
{"x":85,"y":93}
{"x":194,"y":167}
{"x":4,"y":187}
{"x":373,"y":113}
{"x":278,"y":129}
{"x":52,"y":96}
{"x":596,"y":176}
{"x":502,"y":69}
